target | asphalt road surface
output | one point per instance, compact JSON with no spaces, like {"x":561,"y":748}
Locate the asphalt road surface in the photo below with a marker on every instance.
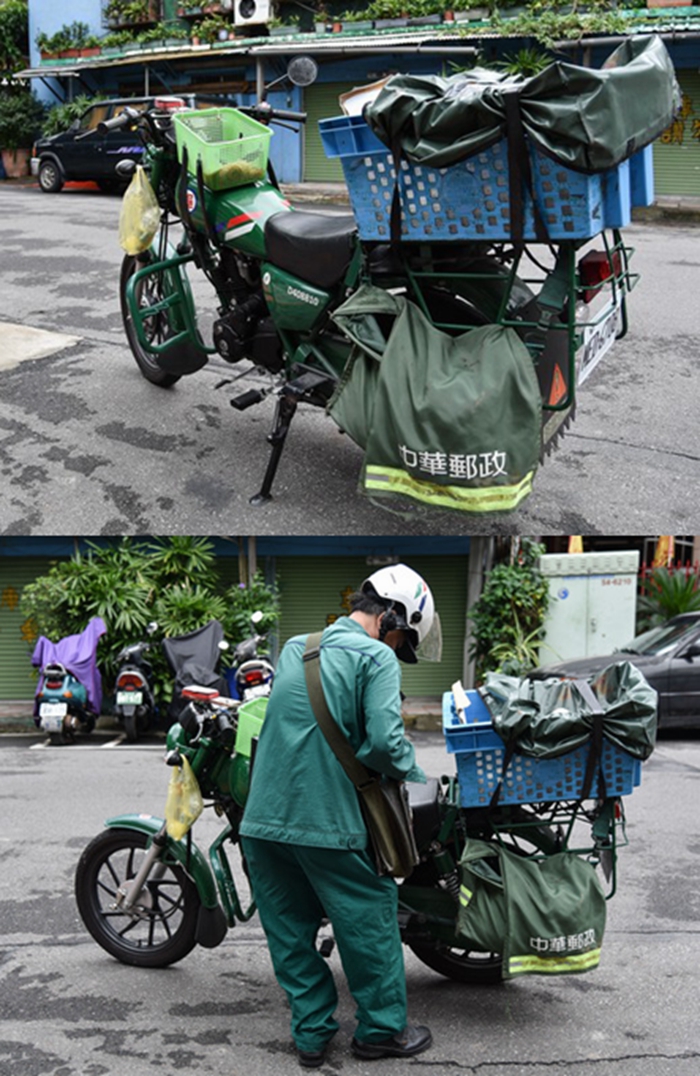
{"x":68,"y":1009}
{"x":85,"y":440}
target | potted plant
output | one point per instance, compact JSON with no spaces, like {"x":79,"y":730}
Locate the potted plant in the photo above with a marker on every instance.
{"x":208,"y":29}
{"x":425,"y":12}
{"x":21,"y":116}
{"x":388,"y":13}
{"x":92,"y":46}
{"x":355,"y":21}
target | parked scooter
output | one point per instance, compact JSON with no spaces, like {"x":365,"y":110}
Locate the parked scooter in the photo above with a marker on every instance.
{"x":195,"y":658}
{"x":135,"y":703}
{"x":68,"y":697}
{"x":251,"y":674}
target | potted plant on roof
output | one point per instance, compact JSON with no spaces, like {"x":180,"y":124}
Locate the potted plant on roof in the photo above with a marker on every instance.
{"x":92,"y":46}
{"x":322,"y":20}
{"x":387,"y":14}
{"x":354,"y":21}
{"x":425,"y":12}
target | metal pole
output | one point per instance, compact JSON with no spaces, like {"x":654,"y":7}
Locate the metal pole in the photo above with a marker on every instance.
{"x":259,"y":79}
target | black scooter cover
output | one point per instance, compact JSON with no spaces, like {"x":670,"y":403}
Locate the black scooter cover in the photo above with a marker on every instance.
{"x":193,"y":659}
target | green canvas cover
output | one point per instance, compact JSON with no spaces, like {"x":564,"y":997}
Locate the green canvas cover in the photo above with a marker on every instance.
{"x":589,"y":120}
{"x":546,"y":718}
{"x":450,"y":422}
{"x":545,"y":916}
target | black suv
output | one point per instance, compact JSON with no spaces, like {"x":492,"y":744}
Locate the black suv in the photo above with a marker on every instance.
{"x":62,"y":157}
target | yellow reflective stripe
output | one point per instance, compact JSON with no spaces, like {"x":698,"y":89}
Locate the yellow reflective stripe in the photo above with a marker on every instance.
{"x":465,"y":895}
{"x":476,"y":499}
{"x":517,"y":965}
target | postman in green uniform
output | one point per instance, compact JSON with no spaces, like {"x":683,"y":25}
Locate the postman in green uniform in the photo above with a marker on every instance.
{"x":304,"y":836}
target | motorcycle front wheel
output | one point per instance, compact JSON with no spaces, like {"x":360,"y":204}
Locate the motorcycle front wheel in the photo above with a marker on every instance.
{"x":160,"y":927}
{"x":149,"y":292}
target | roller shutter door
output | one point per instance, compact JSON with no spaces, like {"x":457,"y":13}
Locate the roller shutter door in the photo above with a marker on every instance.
{"x":17,"y":681}
{"x":314,"y":589}
{"x":677,"y":151}
{"x":320,"y":103}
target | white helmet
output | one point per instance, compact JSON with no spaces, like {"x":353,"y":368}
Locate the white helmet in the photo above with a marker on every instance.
{"x":410,"y":607}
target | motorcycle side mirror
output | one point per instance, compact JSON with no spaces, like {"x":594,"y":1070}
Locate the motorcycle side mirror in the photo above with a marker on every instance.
{"x":302,"y":71}
{"x":150,"y":628}
{"x":257,"y":616}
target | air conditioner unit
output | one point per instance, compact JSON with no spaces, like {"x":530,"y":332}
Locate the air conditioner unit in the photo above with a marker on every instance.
{"x":251,"y":12}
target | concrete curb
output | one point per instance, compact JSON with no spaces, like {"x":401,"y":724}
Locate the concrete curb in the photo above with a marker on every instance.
{"x":421,"y":714}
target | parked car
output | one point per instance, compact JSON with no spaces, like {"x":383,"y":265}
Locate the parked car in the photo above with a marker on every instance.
{"x":669,"y":658}
{"x":64,"y":156}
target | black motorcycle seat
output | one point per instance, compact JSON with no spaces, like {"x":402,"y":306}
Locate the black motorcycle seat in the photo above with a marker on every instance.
{"x":315,"y":247}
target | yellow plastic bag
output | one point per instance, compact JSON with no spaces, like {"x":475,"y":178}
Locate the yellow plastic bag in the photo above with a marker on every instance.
{"x":184,"y":804}
{"x":140,"y":214}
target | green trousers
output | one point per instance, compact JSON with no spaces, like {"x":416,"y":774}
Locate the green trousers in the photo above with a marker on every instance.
{"x":295,"y":887}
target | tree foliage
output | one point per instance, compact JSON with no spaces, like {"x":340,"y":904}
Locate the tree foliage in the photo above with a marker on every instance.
{"x":173,"y":581}
{"x":14,"y":35}
{"x":508,"y":618}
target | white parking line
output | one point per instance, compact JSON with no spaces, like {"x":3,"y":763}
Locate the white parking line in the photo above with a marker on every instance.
{"x":115,"y":743}
{"x":119,"y":742}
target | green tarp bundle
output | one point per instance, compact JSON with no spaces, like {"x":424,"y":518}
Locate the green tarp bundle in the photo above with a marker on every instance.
{"x":544,"y":916}
{"x":589,"y":120}
{"x":450,"y":422}
{"x":546,"y":718}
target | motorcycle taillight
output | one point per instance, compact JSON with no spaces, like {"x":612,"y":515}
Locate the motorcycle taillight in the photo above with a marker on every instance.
{"x":129,"y":682}
{"x":254,"y":677}
{"x":54,"y":685}
{"x":594,"y":269}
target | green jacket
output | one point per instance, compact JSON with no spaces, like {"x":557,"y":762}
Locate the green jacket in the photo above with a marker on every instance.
{"x":299,"y":792}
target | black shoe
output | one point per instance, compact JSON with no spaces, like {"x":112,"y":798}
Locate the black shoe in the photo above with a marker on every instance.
{"x":311,"y":1059}
{"x":412,"y":1040}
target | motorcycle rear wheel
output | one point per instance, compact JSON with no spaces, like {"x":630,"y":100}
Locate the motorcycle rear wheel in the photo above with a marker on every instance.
{"x":160,"y":929}
{"x":464,"y":965}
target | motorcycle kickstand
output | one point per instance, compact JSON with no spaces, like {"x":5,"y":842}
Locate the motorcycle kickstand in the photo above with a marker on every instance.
{"x":286,"y":408}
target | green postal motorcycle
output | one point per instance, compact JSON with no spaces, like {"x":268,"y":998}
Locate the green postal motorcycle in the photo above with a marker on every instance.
{"x":279,"y":274}
{"x":148,"y":897}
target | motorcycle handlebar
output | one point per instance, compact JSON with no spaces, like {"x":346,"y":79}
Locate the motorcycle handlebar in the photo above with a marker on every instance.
{"x":265,"y":113}
{"x":124,"y":119}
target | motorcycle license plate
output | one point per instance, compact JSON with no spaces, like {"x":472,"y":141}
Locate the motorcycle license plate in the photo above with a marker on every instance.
{"x":129,"y":698}
{"x":598,"y":339}
{"x":257,"y":692}
{"x":51,"y":715}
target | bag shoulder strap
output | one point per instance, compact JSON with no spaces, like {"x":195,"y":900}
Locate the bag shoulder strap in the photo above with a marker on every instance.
{"x":335,"y":738}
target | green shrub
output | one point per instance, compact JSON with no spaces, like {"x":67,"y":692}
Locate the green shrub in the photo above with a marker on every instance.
{"x":173,"y":581}
{"x":21,"y":118}
{"x":508,"y":618}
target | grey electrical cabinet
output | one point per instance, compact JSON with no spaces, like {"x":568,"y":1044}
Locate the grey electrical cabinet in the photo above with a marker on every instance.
{"x":593,"y":603}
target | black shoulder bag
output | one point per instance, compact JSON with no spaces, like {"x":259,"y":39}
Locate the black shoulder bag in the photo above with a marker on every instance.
{"x":383,"y":801}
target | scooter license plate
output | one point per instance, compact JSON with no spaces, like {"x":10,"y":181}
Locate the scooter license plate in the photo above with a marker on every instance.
{"x":51,"y":715}
{"x":129,"y":698}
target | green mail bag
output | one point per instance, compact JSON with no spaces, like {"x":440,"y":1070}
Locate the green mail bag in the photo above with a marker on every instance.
{"x":544,"y":916}
{"x":549,"y":716}
{"x":450,"y":422}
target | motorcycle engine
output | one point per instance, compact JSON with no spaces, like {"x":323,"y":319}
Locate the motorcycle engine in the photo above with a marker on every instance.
{"x":244,"y":333}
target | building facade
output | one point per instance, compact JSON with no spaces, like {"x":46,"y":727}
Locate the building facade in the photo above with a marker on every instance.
{"x":315,"y":577}
{"x":251,"y":55}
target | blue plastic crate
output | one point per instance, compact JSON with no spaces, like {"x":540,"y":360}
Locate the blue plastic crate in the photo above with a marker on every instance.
{"x":479,"y":754}
{"x":642,"y":177}
{"x":470,"y":200}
